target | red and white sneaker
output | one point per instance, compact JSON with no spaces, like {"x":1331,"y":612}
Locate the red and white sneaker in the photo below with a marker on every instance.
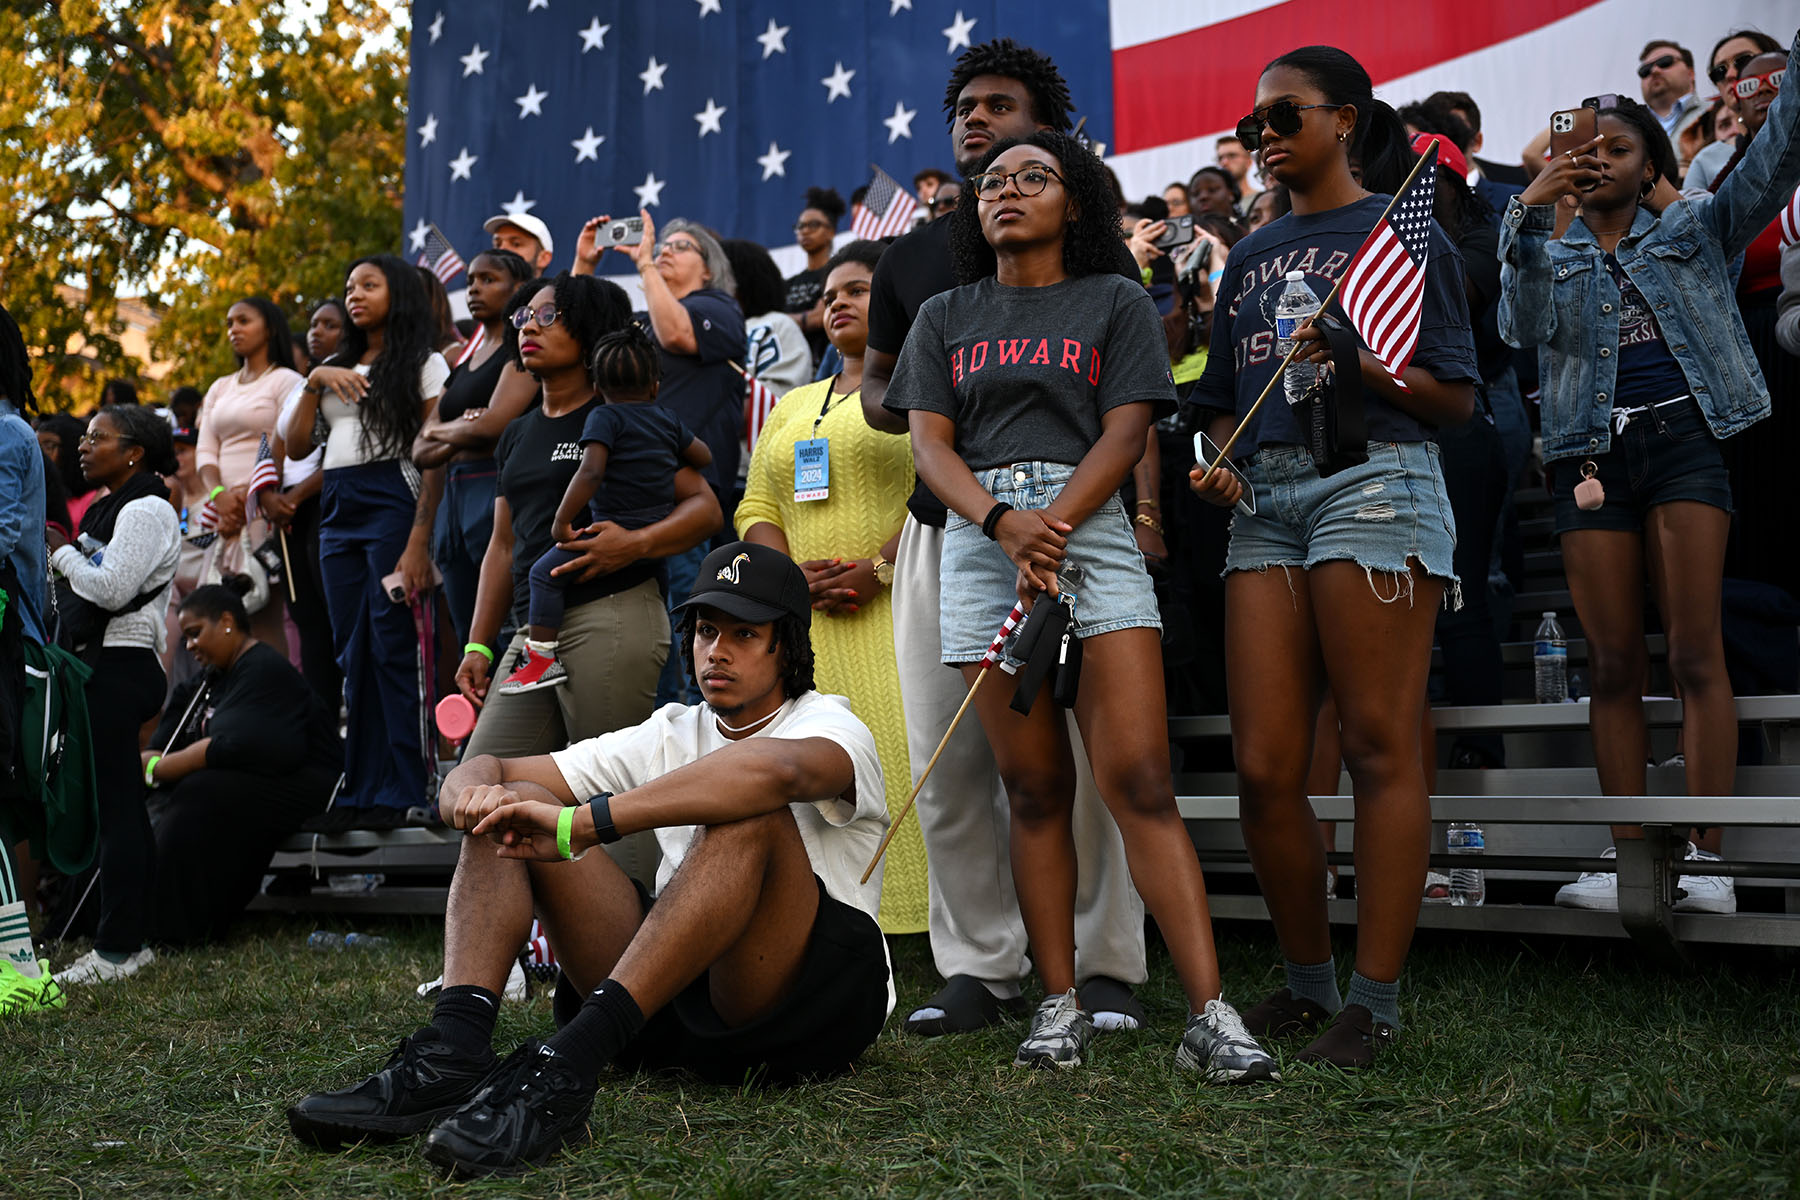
{"x":537,"y":671}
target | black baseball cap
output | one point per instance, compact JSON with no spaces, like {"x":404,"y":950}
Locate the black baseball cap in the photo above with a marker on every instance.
{"x":751,"y":583}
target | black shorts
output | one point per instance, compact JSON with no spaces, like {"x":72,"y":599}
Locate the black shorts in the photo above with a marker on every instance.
{"x":835,"y":1012}
{"x":1662,"y":456}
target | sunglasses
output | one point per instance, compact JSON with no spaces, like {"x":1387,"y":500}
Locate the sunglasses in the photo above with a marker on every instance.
{"x":1657,"y":64}
{"x":545,"y":317}
{"x":1282,"y":118}
{"x":942,"y":201}
{"x":1718,"y":71}
{"x":1748,"y":85}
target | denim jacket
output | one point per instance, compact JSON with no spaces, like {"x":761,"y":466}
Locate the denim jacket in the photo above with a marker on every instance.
{"x":1558,"y":295}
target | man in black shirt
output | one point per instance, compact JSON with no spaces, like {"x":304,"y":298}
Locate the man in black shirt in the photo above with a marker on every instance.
{"x":997,"y":90}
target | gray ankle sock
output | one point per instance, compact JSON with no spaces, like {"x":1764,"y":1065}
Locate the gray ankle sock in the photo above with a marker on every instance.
{"x":1316,"y":982}
{"x":1381,"y":999}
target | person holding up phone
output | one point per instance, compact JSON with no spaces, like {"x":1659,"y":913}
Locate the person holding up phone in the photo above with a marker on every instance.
{"x":1647,"y":368}
{"x":1335,"y":583}
{"x":376,"y":517}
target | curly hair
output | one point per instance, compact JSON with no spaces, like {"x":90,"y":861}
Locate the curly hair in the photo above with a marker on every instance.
{"x":149,"y":429}
{"x":863,"y":250}
{"x":393,"y":410}
{"x":1049,"y":91}
{"x":275,"y":324}
{"x":827,"y":202}
{"x":791,"y":632}
{"x":1091,"y":242}
{"x":626,"y":363}
{"x":586,"y":305}
{"x":15,"y":367}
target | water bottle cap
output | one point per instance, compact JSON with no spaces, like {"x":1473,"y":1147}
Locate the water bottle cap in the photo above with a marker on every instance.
{"x":1551,"y":615}
{"x":1293,"y":276}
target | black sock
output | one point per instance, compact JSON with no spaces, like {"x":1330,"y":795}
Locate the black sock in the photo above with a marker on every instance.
{"x":465,"y":1017}
{"x":609,"y":1018}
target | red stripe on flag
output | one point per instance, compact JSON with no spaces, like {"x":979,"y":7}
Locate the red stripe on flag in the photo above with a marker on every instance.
{"x":1157,"y":98}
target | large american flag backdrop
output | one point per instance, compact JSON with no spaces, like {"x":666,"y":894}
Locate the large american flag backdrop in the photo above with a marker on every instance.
{"x":726,"y":110}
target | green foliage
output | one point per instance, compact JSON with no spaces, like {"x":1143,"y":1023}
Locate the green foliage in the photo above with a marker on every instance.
{"x":192,"y":153}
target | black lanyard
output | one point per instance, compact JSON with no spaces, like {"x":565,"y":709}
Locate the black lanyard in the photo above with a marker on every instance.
{"x":825,"y":408}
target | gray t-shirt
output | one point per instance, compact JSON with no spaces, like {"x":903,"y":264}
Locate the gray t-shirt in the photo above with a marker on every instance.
{"x":1026,"y":372}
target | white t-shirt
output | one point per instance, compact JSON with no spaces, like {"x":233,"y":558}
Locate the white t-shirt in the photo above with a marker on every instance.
{"x":297,"y":470}
{"x":344,"y":448}
{"x":840,"y":836}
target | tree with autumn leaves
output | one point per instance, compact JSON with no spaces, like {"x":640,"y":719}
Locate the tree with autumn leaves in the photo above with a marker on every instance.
{"x":191,"y":153}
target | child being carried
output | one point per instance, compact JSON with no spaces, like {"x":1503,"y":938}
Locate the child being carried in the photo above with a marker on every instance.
{"x":631,"y":448}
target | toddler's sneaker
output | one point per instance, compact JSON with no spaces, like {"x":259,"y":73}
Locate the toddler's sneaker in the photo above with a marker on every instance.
{"x":1598,"y":890}
{"x":1060,"y":1033}
{"x":537,"y":671}
{"x":1218,"y":1046}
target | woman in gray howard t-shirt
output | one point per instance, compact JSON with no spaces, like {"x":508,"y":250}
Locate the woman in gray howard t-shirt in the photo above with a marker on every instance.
{"x":1029,"y":393}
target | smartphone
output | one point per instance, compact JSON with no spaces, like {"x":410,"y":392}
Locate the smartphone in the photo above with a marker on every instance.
{"x":624,"y":231}
{"x":1206,"y":452}
{"x":1572,"y":128}
{"x":395,"y":587}
{"x":1197,"y":266}
{"x":1179,"y":231}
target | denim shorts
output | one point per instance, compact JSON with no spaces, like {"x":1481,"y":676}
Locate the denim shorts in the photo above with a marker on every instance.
{"x":979,"y":584}
{"x":1663,"y":455}
{"x":1384,"y":515}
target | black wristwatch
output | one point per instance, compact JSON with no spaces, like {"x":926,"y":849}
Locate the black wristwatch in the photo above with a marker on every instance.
{"x":600,"y":808}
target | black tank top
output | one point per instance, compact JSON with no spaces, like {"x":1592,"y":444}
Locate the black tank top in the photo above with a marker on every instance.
{"x":471,"y":386}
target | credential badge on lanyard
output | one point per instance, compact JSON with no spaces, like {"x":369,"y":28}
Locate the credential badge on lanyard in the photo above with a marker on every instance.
{"x":812,"y":460}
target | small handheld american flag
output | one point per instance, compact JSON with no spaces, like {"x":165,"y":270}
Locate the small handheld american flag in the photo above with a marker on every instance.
{"x":1384,"y":285}
{"x":1006,"y":627}
{"x":886,"y":210}
{"x":759,"y":402}
{"x":263,"y":475}
{"x":439,"y":256}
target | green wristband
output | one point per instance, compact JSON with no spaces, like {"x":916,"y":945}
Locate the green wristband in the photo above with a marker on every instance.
{"x":565,"y":825}
{"x":478,"y":648}
{"x":150,"y":770}
{"x":214,"y":494}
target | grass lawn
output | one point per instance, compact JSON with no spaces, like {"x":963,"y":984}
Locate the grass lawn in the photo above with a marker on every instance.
{"x":1528,"y":1068}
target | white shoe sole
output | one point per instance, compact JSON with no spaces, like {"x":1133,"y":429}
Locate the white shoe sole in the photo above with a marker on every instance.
{"x":1045,"y":1062}
{"x":1588,"y":901}
{"x":1724,"y":906}
{"x":1187,"y":1060}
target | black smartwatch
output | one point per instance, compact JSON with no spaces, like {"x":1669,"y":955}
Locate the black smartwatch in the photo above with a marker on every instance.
{"x":600,"y":808}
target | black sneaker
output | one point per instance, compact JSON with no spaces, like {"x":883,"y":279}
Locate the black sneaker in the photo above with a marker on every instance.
{"x":526,"y":1110}
{"x":1284,"y":1014}
{"x":424,"y":1080}
{"x":1352,"y":1040}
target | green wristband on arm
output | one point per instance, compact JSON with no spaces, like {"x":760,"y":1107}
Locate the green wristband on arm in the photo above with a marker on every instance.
{"x":150,"y":769}
{"x":565,"y":825}
{"x":478,"y":648}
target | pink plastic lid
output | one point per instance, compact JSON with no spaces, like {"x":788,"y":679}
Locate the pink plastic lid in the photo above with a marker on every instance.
{"x":455,"y":717}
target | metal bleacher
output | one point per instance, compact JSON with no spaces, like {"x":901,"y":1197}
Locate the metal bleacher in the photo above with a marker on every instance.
{"x":1542,"y":814}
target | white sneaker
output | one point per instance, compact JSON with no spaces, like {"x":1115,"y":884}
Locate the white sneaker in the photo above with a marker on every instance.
{"x":1706,"y":893}
{"x":516,"y":987}
{"x":1597,"y":890}
{"x":91,"y":968}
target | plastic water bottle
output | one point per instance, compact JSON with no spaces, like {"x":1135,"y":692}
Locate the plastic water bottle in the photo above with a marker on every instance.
{"x":1468,"y":885}
{"x":324,"y":939}
{"x":1550,"y":662}
{"x":1297,"y":302}
{"x":363,"y":941}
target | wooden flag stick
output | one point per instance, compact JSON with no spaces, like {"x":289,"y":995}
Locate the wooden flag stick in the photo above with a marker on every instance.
{"x":287,"y":564}
{"x":1323,"y":305}
{"x":988,"y":661}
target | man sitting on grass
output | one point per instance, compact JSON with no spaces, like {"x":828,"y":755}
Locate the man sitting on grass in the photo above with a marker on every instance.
{"x":759,"y":952}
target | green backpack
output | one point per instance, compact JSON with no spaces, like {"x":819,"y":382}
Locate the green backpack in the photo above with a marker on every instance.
{"x":60,"y":813}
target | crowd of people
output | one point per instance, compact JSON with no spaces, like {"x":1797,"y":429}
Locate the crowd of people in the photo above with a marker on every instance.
{"x":681,"y":613}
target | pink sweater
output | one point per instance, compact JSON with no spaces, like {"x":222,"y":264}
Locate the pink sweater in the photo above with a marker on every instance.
{"x":233,"y":418}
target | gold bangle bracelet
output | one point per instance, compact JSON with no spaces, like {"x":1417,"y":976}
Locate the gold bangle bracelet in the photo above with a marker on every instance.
{"x":1148,"y":504}
{"x":1151,"y":523}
